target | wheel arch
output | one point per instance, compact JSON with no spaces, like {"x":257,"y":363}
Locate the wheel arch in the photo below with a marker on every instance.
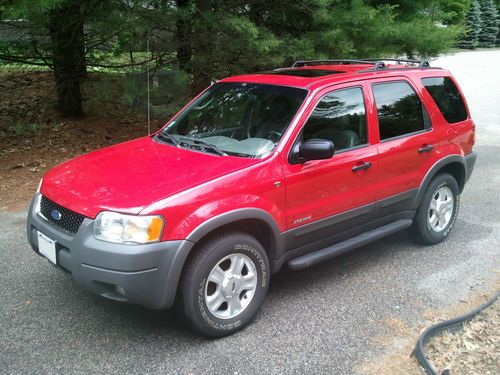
{"x":452,"y":164}
{"x":253,"y":221}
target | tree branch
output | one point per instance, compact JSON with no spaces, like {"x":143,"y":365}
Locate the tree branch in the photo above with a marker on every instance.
{"x":23,"y":60}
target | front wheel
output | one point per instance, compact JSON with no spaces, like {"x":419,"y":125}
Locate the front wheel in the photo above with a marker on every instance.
{"x":224,"y":285}
{"x":438,"y":210}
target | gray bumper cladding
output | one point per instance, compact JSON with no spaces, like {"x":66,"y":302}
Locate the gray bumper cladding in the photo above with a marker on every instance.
{"x":470,"y":162}
{"x":142,"y":274}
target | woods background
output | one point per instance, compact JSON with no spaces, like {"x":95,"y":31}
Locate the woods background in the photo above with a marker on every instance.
{"x":192,"y":42}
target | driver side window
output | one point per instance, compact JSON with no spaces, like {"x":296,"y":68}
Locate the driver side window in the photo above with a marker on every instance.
{"x":339,"y":116}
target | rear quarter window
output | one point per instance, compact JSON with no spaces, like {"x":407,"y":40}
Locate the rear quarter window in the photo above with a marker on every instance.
{"x":447,"y":97}
{"x":399,"y":109}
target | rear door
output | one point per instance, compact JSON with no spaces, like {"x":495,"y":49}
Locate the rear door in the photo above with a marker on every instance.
{"x":321,"y":194}
{"x":406,"y":142}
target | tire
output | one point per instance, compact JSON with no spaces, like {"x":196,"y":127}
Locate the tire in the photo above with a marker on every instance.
{"x":432,"y":225}
{"x":208,"y":299}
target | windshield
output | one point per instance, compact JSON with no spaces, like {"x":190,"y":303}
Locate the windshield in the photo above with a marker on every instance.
{"x":242,"y":119}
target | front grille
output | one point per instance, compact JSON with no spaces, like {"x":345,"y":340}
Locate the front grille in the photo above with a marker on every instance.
{"x":69,"y":221}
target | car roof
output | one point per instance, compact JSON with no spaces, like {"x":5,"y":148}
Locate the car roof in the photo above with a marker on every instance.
{"x":313,"y":76}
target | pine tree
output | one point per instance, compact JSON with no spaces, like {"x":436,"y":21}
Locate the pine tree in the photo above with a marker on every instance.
{"x":472,"y":27}
{"x":498,"y":23}
{"x":217,"y":38}
{"x":489,"y":24}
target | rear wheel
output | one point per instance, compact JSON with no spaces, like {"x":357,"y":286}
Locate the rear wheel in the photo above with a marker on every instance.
{"x":438,"y":210}
{"x":224,"y":285}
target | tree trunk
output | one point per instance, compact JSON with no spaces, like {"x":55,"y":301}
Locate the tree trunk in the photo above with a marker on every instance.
{"x":66,"y":32}
{"x":183,"y":35}
{"x":81,"y":48}
{"x":203,"y":40}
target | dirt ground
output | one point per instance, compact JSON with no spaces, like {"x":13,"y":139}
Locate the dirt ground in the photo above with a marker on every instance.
{"x":34,"y":138}
{"x":473,"y":350}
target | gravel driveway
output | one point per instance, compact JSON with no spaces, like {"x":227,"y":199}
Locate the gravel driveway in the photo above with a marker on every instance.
{"x":320,"y":320}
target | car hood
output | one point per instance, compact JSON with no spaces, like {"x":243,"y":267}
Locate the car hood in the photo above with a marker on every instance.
{"x":130,"y":176}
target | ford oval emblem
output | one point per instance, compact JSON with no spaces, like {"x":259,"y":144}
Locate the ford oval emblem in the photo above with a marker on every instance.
{"x":56,"y":215}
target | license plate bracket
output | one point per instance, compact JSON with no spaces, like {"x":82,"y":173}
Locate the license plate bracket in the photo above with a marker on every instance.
{"x":47,"y":247}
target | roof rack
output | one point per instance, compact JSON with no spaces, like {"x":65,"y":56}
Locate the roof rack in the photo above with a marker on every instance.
{"x":301,"y":63}
{"x":378,"y":64}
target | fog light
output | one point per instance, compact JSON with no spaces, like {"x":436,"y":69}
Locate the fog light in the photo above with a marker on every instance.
{"x":120,"y":290}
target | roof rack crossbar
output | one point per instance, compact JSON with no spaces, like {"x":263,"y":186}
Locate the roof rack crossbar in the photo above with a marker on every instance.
{"x":379,"y":63}
{"x":300,"y":63}
{"x":421,"y":63}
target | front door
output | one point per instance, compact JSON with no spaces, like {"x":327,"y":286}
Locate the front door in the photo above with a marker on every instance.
{"x":322,"y":195}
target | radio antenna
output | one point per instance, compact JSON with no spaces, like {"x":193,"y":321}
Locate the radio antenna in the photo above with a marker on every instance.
{"x":149,"y":106}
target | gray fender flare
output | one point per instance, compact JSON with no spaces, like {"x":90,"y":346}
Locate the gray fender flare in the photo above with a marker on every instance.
{"x":237,"y":215}
{"x":207,"y":227}
{"x":431,"y":173}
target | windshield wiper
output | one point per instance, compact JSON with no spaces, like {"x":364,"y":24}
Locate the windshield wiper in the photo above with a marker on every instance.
{"x":168,"y":137}
{"x":211,"y":147}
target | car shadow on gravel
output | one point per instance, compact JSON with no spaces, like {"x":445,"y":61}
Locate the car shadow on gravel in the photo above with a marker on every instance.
{"x":139,"y":318}
{"x":118,"y":318}
{"x":384,"y":250}
{"x":324,"y":273}
{"x":349,"y":263}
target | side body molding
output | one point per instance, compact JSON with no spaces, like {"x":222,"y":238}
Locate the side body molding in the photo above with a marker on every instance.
{"x":238,"y":215}
{"x":435,"y":169}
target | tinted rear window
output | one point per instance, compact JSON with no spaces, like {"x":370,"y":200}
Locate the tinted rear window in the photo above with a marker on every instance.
{"x":447,"y":98}
{"x":399,"y":110}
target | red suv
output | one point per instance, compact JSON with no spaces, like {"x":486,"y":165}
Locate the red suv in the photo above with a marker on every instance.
{"x":288,"y":167}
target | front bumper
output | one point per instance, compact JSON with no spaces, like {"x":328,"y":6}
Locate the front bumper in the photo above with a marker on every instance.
{"x":147,"y":274}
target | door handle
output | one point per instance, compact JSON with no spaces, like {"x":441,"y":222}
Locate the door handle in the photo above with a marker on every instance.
{"x":359,"y":167}
{"x":425,"y":148}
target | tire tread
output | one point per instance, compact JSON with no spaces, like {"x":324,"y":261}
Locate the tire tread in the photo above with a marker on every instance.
{"x":419,"y":230}
{"x":186,"y":306}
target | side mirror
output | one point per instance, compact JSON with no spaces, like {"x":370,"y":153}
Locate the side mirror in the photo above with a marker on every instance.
{"x":316,"y":149}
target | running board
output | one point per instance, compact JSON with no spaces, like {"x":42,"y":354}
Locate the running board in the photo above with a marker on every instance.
{"x":343,"y":247}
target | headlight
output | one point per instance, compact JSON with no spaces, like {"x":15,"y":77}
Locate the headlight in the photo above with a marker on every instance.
{"x":39,"y":185}
{"x":115,"y":227}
